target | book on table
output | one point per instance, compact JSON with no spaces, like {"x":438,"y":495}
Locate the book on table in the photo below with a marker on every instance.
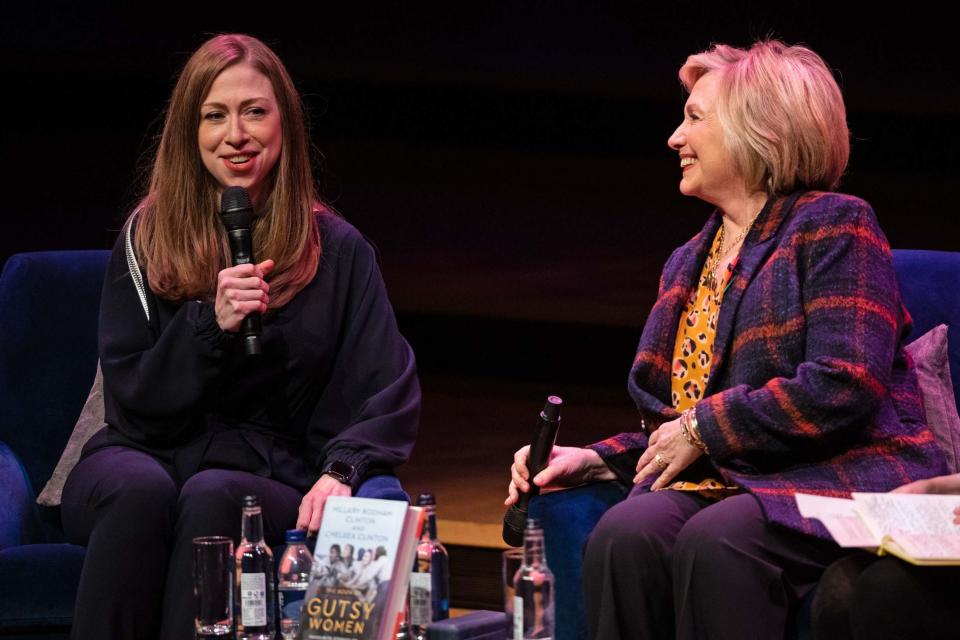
{"x":917,"y":528}
{"x":361,"y":567}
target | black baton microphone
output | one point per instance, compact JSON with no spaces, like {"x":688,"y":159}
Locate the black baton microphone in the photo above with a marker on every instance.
{"x":545,"y":434}
{"x":237,"y":214}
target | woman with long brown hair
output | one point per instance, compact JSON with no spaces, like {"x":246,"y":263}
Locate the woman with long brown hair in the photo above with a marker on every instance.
{"x":193,"y":424}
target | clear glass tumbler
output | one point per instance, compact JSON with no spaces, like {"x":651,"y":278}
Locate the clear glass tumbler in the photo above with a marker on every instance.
{"x":512,"y":559}
{"x":213,"y":565}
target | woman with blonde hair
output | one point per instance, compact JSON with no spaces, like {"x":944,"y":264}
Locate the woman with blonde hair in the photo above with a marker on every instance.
{"x":194,"y":425}
{"x":772,"y":362}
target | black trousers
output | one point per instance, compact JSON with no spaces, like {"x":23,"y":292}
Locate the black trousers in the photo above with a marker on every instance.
{"x":865,"y":597}
{"x":672,"y":564}
{"x":138,"y":522}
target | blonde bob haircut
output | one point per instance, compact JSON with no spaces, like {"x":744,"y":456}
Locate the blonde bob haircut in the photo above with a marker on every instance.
{"x":179,"y":238}
{"x":781,"y":112}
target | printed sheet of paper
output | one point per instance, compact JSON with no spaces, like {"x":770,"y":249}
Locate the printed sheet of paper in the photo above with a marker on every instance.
{"x":922,"y":524}
{"x":840,"y":517}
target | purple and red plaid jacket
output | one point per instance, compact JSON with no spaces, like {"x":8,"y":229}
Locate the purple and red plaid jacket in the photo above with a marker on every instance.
{"x":810,"y":388}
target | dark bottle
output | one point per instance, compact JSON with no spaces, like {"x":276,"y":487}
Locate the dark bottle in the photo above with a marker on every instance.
{"x":254,"y":610}
{"x":430,"y":579}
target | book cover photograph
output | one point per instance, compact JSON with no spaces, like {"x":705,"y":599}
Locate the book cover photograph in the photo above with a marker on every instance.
{"x":920,"y":529}
{"x":360,"y":568}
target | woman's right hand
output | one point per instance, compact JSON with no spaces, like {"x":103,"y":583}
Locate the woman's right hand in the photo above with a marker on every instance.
{"x":940,"y":484}
{"x":566,"y":467}
{"x":241,"y":290}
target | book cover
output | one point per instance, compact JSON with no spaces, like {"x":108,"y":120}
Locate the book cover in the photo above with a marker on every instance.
{"x":917,"y":528}
{"x":360,"y":568}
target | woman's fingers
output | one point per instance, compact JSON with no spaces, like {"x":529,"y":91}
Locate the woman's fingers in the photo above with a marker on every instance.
{"x":512,"y":494}
{"x":242,"y":290}
{"x":304,"y":514}
{"x":520,"y":461}
{"x":645,"y":471}
{"x":666,"y":476}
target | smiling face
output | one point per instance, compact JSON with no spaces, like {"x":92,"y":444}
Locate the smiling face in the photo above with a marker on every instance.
{"x":708,"y":168}
{"x":240,"y":133}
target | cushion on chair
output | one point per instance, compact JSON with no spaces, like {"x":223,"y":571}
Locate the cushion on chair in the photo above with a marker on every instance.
{"x":929,"y":353}
{"x":89,"y":422}
{"x":929,"y":281}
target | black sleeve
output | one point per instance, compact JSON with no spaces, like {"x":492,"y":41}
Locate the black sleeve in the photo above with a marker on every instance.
{"x":368,"y":414}
{"x":155,"y":371}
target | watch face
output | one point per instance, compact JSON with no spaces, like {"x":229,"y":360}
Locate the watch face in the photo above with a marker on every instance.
{"x":340,"y":470}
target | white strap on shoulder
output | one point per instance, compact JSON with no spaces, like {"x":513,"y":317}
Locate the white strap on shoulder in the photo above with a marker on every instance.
{"x":134,"y":267}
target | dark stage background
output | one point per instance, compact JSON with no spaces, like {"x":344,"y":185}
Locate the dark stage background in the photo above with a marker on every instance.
{"x":509,"y":158}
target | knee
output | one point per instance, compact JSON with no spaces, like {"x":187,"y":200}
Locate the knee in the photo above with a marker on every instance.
{"x":625,"y":534}
{"x":718,"y":539}
{"x":886,"y":583}
{"x":144,"y":497}
{"x":211,"y":500}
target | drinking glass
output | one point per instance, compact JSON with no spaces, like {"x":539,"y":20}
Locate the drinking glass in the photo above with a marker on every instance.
{"x":512,"y":559}
{"x":213,"y":565}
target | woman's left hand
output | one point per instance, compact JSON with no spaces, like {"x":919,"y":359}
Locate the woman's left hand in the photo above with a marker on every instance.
{"x":667,"y":446}
{"x":311,"y":507}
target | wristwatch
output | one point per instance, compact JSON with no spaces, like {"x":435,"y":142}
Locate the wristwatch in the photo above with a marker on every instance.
{"x":340,"y":471}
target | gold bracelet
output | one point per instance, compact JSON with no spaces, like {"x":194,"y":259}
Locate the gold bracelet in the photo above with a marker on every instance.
{"x":685,"y":427}
{"x":694,"y":428}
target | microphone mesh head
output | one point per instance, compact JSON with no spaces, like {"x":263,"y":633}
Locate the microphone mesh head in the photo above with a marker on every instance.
{"x":235,"y":208}
{"x":514,"y":522}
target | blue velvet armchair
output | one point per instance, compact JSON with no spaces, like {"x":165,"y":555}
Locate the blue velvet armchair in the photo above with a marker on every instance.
{"x":49,"y":302}
{"x":929,"y":287}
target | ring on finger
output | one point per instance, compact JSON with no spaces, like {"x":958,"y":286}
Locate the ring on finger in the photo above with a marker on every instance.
{"x":660,"y":462}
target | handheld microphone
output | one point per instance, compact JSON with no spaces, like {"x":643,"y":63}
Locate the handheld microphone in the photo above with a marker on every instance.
{"x":544,"y":436}
{"x":237,"y":215}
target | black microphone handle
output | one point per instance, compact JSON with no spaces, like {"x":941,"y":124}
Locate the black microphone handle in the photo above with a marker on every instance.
{"x":241,"y":251}
{"x":544,"y":437}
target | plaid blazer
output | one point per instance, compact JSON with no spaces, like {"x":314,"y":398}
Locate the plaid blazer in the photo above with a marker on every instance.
{"x":810,"y":388}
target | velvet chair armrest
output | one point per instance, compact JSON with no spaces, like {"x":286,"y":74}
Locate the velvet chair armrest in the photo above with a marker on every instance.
{"x":19,"y":517}
{"x":567,"y":518}
{"x":385,"y":487}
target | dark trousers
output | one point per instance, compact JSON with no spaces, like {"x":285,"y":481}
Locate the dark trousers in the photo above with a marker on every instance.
{"x":672,"y":564}
{"x":138,"y":522}
{"x":865,"y":597}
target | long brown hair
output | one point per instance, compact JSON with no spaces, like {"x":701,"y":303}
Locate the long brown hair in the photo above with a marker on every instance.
{"x":178,"y":238}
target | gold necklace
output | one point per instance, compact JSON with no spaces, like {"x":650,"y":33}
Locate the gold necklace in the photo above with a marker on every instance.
{"x":711,"y":279}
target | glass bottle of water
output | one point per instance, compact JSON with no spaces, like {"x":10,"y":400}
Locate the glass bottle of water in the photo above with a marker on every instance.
{"x":430,"y":579}
{"x":533,"y":602}
{"x":293,"y":577}
{"x":254,"y":610}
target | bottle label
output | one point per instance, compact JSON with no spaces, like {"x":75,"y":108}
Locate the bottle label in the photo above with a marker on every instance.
{"x":420,"y":599}
{"x":291,"y":603}
{"x":253,"y":599}
{"x":517,"y":618}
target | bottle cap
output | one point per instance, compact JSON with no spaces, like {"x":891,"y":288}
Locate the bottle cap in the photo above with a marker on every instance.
{"x":426,"y":499}
{"x":251,"y":501}
{"x":296,"y":535}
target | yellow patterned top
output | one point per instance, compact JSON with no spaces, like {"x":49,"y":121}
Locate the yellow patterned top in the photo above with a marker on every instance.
{"x":693,"y":351}
{"x":693,"y":354}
